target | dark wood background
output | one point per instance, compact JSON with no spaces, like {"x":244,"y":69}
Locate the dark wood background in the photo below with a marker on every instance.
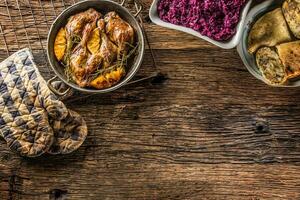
{"x":204,"y":128}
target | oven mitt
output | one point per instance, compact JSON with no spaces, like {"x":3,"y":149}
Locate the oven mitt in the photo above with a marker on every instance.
{"x":26,"y":106}
{"x":69,"y":133}
{"x":61,"y":87}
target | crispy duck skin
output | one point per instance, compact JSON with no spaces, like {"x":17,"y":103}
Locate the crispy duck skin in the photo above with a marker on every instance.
{"x":118,"y":31}
{"x":77,"y":63}
{"x":80,"y":26}
{"x":101,"y":25}
{"x":77,"y":22}
{"x":88,"y":28}
{"x":105,"y":56}
{"x":93,"y":63}
{"x":108,"y":51}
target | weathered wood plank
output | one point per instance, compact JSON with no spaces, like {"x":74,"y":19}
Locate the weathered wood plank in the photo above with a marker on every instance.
{"x":204,"y":129}
{"x":112,"y":179}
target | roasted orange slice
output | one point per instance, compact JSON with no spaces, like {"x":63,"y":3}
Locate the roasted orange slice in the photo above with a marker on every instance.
{"x":60,"y":44}
{"x":93,"y":43}
{"x":109,"y":79}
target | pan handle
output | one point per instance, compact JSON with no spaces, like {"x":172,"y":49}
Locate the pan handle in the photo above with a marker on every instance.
{"x":138,"y":7}
{"x":55,"y":91}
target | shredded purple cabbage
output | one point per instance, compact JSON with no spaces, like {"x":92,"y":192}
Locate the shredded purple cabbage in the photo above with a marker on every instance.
{"x":216,"y":19}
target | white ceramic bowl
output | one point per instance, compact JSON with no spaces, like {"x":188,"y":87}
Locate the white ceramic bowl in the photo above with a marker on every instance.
{"x":249,"y":59}
{"x":233,"y":42}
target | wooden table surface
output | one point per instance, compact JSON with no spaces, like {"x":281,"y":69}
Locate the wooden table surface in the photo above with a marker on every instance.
{"x":204,"y":128}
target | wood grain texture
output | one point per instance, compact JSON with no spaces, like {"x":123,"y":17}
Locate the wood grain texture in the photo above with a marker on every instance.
{"x":203,"y":129}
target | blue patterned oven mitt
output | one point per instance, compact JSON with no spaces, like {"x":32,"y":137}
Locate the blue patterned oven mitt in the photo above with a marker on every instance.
{"x":32,"y":120}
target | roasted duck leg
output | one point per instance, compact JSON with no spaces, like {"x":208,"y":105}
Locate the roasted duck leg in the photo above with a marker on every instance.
{"x":93,"y":63}
{"x":108,"y":51}
{"x":79,"y":28}
{"x":77,"y":65}
{"x":118,"y":31}
{"x":77,"y":22}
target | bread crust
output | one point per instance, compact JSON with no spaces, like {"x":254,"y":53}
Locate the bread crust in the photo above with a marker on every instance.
{"x":270,"y":30}
{"x":270,"y":66}
{"x":291,"y":12}
{"x":289,"y":54}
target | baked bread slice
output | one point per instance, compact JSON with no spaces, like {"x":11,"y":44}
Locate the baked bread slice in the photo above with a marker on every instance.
{"x":291,"y":12}
{"x":289,"y":54}
{"x":270,"y":30}
{"x":270,"y":65}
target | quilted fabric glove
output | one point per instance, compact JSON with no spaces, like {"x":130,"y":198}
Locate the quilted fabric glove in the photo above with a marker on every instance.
{"x":26,"y":104}
{"x":69,"y":133}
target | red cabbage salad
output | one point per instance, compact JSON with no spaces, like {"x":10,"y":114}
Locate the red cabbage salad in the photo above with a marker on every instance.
{"x":216,"y":19}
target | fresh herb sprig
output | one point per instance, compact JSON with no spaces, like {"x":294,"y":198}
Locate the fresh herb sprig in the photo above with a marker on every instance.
{"x":72,"y":40}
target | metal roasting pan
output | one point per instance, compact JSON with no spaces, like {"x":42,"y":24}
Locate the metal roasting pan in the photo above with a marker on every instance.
{"x":103,"y":6}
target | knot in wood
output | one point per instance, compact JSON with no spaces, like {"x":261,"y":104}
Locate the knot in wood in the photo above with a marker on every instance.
{"x":261,"y":126}
{"x":58,"y":194}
